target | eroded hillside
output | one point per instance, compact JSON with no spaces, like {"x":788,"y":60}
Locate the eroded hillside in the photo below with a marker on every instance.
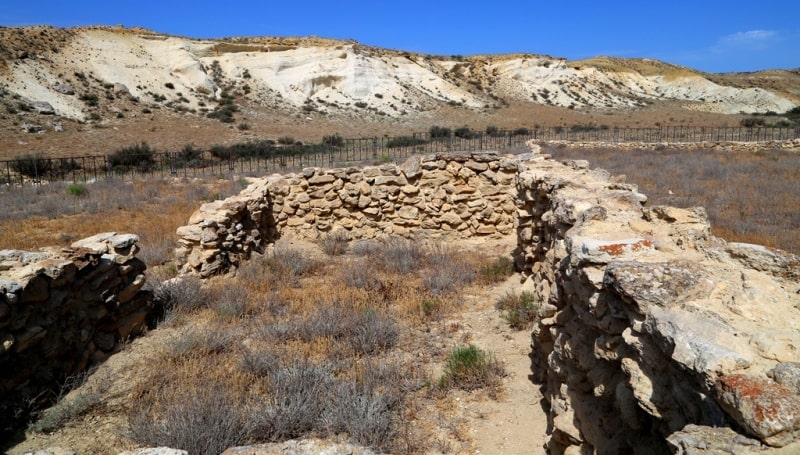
{"x":60,"y":67}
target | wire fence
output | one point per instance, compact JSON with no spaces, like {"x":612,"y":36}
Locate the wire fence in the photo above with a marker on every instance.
{"x":267,"y":157}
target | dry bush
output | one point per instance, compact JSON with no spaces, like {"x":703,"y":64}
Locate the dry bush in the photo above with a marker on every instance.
{"x":498,"y":270}
{"x":400,"y":255}
{"x":519,"y":310}
{"x":359,"y":274}
{"x":191,"y":407}
{"x":749,"y":196}
{"x":296,"y":401}
{"x":199,"y":340}
{"x":447,"y":270}
{"x":334,"y":243}
{"x":179,"y":295}
{"x":288,"y":262}
{"x":229,"y":301}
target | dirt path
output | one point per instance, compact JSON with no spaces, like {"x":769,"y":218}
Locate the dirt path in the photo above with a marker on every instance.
{"x":515,"y":423}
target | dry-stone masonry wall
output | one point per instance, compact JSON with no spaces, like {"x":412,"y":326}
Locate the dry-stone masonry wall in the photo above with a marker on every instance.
{"x":63,"y":309}
{"x":653,"y":335}
{"x":458,"y":195}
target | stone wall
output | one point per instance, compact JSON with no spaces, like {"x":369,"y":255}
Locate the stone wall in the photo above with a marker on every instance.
{"x":62,"y":310}
{"x":455,"y":195}
{"x":653,"y":336}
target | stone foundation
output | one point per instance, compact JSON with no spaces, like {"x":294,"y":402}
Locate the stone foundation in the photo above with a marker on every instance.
{"x":62,"y":310}
{"x":442,"y":195}
{"x":653,"y":336}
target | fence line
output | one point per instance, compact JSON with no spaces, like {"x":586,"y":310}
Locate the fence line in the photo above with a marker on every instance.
{"x":265,"y":157}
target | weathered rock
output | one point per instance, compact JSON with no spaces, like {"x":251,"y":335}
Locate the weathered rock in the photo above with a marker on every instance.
{"x":32,"y":128}
{"x":42,"y":107}
{"x":765,"y":409}
{"x":64,"y":88}
{"x":787,"y":374}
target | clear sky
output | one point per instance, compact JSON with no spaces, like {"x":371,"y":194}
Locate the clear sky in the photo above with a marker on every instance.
{"x":714,"y":36}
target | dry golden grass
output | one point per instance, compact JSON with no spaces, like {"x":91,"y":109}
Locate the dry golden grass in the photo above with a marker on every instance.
{"x":153,"y":209}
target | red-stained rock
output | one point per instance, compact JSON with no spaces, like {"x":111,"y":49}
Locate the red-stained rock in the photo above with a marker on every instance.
{"x":763,"y":408}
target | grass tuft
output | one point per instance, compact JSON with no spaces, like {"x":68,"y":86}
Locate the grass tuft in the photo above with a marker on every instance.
{"x":519,"y":310}
{"x":470,"y":368}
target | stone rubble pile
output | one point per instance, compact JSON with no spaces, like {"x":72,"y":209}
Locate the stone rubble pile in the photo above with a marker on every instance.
{"x":653,"y":335}
{"x":64,"y":309}
{"x":458,"y":195}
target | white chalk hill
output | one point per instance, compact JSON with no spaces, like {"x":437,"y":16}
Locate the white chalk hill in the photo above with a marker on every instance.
{"x":59,"y":66}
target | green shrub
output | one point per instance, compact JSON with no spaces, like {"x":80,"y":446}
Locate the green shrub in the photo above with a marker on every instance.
{"x":404,"y":141}
{"x":140,"y":156}
{"x":32,"y":165}
{"x":469,"y":368}
{"x":519,"y":310}
{"x":77,"y":189}
{"x":464,"y":133}
{"x":333,"y":141}
{"x":752,"y":122}
{"x":360,"y":104}
{"x":500,"y":269}
{"x":223,"y":113}
{"x":492,"y":130}
{"x":89,"y":98}
{"x":286,"y":140}
{"x":170,"y":85}
{"x":190,"y":155}
{"x":439,"y":132}
{"x":521,"y":132}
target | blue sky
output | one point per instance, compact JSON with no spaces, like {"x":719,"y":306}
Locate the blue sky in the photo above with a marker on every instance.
{"x":714,"y":36}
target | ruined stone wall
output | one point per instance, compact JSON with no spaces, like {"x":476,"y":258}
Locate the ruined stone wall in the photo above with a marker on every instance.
{"x":455,"y":195}
{"x":654,"y":336}
{"x":63,"y":309}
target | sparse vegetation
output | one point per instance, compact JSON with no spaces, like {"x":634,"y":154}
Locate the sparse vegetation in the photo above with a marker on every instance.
{"x":500,"y":269}
{"x":34,"y":166}
{"x":741,"y":213}
{"x":469,"y":368}
{"x":334,"y":243}
{"x":437,"y":132}
{"x":404,"y":141}
{"x":140,"y":156}
{"x":519,"y":310}
{"x":334,"y":140}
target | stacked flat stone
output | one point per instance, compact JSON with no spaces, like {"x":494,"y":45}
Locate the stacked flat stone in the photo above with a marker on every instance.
{"x":63,"y":309}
